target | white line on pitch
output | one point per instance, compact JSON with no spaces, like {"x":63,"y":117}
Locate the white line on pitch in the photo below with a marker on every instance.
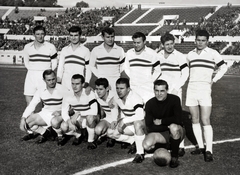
{"x":113,"y":164}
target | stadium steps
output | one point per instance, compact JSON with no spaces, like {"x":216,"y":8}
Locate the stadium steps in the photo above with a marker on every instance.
{"x":190,"y":14}
{"x":7,"y":12}
{"x":132,"y":16}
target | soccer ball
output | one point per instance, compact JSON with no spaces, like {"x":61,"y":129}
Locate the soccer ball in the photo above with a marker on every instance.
{"x":162,"y":157}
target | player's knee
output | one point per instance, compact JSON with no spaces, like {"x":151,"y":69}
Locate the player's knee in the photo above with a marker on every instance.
{"x":174,"y":129}
{"x":139,"y":127}
{"x":55,"y":123}
{"x":98,"y":130}
{"x":147,"y":144}
{"x":64,"y":127}
{"x":92,"y":121}
{"x":34,"y":127}
{"x":138,"y":124}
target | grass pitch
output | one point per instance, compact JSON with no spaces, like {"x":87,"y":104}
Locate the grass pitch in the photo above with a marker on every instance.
{"x":28,"y":158}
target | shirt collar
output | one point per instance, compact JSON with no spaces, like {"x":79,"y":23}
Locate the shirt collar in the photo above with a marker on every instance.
{"x":32,"y":44}
{"x":114,"y":46}
{"x":205,"y":49}
{"x":173,"y":52}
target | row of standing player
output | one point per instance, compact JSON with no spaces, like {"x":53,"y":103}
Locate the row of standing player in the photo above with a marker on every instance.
{"x":142,"y":65}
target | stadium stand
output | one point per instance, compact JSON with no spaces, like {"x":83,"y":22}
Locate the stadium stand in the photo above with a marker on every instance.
{"x":219,"y":21}
{"x":26,"y":13}
{"x":2,"y":12}
{"x":190,"y":14}
{"x":130,"y":30}
{"x":133,"y":15}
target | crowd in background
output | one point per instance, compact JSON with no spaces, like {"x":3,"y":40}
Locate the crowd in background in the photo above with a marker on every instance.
{"x":91,"y":24}
{"x":90,"y":21}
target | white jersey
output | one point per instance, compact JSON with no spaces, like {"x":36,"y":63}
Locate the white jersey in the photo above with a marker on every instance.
{"x":107,"y":64}
{"x":174,"y":69}
{"x":73,"y":62}
{"x":40,"y":59}
{"x":132,"y":110}
{"x":51,"y":101}
{"x":202,"y":65}
{"x":143,"y":70}
{"x":111,"y":113}
{"x":86,"y":105}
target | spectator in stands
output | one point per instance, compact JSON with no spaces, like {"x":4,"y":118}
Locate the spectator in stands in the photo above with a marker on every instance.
{"x":74,"y":59}
{"x":175,"y":70}
{"x":202,"y":61}
{"x":39,"y":55}
{"x":142,"y":67}
{"x":108,"y":58}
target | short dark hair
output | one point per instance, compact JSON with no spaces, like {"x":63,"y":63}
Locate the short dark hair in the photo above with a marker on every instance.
{"x":39,"y":28}
{"x":78,"y":76}
{"x":108,"y":30}
{"x":139,"y":35}
{"x":102,"y":81}
{"x":48,"y":72}
{"x":160,"y":82}
{"x":123,"y":81}
{"x":75,"y":29}
{"x":167,"y":37}
{"x":202,"y":33}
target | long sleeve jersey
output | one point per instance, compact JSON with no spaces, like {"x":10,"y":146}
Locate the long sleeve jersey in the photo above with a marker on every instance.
{"x":51,"y":101}
{"x":107,"y":64}
{"x":74,"y":62}
{"x":132,"y":110}
{"x":169,"y":111}
{"x":143,"y":68}
{"x":40,"y":59}
{"x":202,"y":65}
{"x":174,"y":69}
{"x":111,"y":113}
{"x":86,"y":105}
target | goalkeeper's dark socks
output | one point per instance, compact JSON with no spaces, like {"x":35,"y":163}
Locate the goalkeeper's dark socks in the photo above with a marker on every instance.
{"x":174,"y":146}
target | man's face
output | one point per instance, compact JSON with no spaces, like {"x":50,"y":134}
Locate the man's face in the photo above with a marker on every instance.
{"x":74,"y":37}
{"x":201,"y":42}
{"x":50,"y":80}
{"x":101,"y":91}
{"x":77,"y":85}
{"x":160,"y":92}
{"x":122,"y":90}
{"x":169,"y":46}
{"x":138,"y":44}
{"x":39,"y":36}
{"x":108,"y":39}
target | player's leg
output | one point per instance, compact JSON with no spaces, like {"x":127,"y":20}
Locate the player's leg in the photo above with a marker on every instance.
{"x":177,"y":134}
{"x":181,"y":151}
{"x":101,"y":131}
{"x":91,"y":121}
{"x":139,"y":136}
{"x":125,"y":139}
{"x":197,"y":130}
{"x":78,"y":122}
{"x":129,"y":130}
{"x":56,"y":130}
{"x":207,"y":131}
{"x":39,"y":121}
{"x":151,"y":139}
